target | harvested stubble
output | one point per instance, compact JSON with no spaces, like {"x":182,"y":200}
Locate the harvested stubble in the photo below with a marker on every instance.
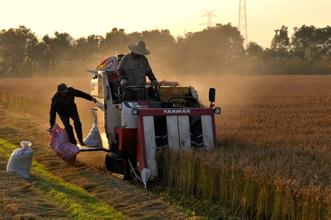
{"x":212,"y":176}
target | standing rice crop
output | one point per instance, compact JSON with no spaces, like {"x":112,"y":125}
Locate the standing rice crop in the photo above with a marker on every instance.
{"x":208,"y":175}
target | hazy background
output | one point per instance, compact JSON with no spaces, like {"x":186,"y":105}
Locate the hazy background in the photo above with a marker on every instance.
{"x":67,"y":37}
{"x":82,"y":18}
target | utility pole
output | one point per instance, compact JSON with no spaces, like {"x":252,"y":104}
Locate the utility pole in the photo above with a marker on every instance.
{"x":209,"y":15}
{"x":242,"y":21}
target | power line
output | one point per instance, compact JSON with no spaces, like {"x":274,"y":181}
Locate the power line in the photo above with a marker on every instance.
{"x":209,"y":15}
{"x":242,"y":21}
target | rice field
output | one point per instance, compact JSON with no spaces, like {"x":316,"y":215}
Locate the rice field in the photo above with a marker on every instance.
{"x":273,"y":157}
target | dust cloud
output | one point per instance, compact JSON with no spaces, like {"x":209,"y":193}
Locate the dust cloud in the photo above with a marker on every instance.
{"x":232,"y":90}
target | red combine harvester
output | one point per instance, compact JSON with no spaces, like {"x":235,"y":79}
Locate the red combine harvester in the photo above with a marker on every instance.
{"x":133,"y":131}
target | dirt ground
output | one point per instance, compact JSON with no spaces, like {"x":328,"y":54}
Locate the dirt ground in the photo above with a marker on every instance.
{"x":20,"y":200}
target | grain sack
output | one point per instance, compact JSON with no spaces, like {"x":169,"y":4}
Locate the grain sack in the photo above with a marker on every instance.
{"x":61,"y":145}
{"x":93,"y":137}
{"x":20,"y":160}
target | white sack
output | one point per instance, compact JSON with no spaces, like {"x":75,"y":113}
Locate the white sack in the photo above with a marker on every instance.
{"x":93,"y":137}
{"x":20,"y":160}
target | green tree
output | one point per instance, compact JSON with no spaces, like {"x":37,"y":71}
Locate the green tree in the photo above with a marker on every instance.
{"x":60,"y":50}
{"x":254,"y":50}
{"x":15,"y":46}
{"x":214,"y":48}
{"x":160,"y":42}
{"x":280,"y":44}
{"x":87,"y":47}
{"x":115,"y":41}
{"x":312,"y":44}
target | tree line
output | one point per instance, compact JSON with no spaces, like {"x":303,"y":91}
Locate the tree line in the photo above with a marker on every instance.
{"x":218,"y":49}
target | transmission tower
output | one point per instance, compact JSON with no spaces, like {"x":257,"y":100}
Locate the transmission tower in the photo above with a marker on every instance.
{"x":209,"y":15}
{"x":242,"y":22}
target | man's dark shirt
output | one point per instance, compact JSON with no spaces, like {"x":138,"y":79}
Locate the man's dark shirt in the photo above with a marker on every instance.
{"x":65,"y":105}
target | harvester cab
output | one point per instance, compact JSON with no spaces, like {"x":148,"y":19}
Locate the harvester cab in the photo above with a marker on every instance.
{"x":134,"y":129}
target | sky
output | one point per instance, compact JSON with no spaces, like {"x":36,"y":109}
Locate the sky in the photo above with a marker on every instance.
{"x":84,"y":17}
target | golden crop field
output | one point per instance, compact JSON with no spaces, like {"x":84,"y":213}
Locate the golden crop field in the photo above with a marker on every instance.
{"x":273,"y":159}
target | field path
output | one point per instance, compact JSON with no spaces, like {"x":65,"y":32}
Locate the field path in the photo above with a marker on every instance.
{"x":19,"y":199}
{"x":37,"y":196}
{"x":132,"y":201}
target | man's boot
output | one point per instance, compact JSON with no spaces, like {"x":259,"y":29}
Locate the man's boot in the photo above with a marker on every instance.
{"x":79,"y":132}
{"x":70,"y":134}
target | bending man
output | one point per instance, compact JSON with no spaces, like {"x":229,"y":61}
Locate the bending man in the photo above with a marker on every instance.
{"x":63,"y":103}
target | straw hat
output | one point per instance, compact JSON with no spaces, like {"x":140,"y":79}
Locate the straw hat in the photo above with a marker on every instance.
{"x":139,"y":48}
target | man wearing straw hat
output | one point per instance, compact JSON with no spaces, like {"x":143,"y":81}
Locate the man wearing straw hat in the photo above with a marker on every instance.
{"x":133,"y":69}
